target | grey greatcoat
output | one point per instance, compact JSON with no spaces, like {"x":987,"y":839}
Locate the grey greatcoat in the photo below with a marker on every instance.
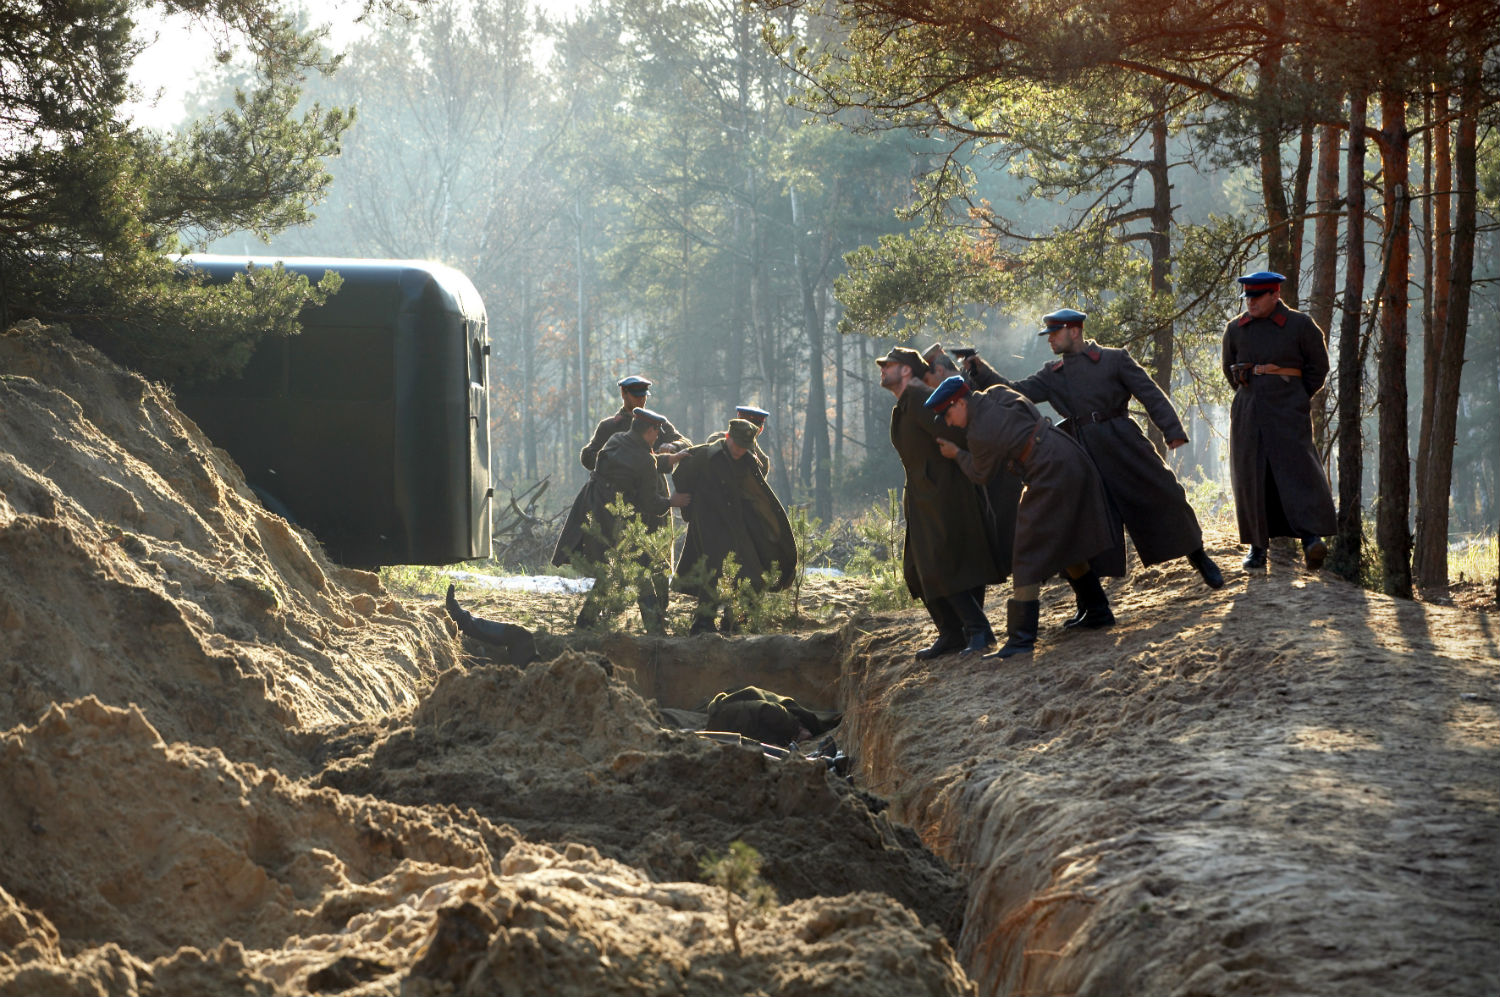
{"x":1280,"y":489}
{"x":1092,"y":389}
{"x":733,"y":511}
{"x":619,"y":423}
{"x":625,"y":467}
{"x":947,"y":543}
{"x":1063,"y":516}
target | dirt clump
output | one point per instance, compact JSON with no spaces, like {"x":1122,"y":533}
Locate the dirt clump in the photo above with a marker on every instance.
{"x":563,"y":752}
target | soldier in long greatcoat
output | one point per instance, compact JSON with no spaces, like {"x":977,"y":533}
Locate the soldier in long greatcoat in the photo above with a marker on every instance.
{"x":626,"y":468}
{"x":947,"y":560}
{"x":733,"y":511}
{"x":1063,"y":517}
{"x":633,"y":392}
{"x":999,"y":495}
{"x":1091,"y":387}
{"x":1276,"y":359}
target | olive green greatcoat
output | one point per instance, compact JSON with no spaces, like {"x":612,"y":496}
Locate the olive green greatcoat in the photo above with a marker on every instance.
{"x":1091,"y":389}
{"x":733,"y":511}
{"x":625,"y":467}
{"x":619,"y":423}
{"x":948,"y":546}
{"x":1063,"y":515}
{"x":1280,"y":489}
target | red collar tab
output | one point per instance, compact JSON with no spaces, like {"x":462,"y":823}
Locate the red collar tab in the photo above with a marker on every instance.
{"x":1055,"y":366}
{"x":1094,"y":353}
{"x":1279,"y":317}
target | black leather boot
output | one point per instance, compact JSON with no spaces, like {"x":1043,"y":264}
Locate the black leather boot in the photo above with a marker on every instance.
{"x":1021,"y":622}
{"x":1256,"y":559}
{"x":946,"y":643}
{"x":1212,"y":576}
{"x":978,"y":634}
{"x":1314,"y":553}
{"x":1093,"y":604}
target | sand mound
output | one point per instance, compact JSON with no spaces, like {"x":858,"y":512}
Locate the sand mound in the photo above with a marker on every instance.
{"x":564,"y":753}
{"x":135,"y":566}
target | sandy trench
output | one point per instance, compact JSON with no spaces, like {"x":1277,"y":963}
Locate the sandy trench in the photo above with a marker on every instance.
{"x":230,"y":766}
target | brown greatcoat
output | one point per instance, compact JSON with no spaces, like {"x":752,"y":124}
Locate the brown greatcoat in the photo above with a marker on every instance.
{"x":619,"y":423}
{"x":1091,"y":390}
{"x":733,"y":511}
{"x":625,"y":467}
{"x":1063,"y":516}
{"x":948,"y":548}
{"x":1280,"y":489}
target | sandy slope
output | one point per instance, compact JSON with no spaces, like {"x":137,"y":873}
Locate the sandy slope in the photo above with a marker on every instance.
{"x":1290,"y":785}
{"x":229,"y":766}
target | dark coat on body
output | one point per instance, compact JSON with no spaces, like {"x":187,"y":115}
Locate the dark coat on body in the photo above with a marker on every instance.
{"x":1280,"y":489}
{"x":1091,"y":390}
{"x":733,"y":511}
{"x":625,"y":467}
{"x":948,"y":545}
{"x":619,"y":423}
{"x":1063,"y":516}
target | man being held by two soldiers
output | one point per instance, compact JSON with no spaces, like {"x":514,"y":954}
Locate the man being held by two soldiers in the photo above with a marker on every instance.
{"x":732,"y":511}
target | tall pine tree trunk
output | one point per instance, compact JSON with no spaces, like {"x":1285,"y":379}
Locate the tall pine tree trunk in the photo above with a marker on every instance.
{"x":1325,"y":261}
{"x":1161,"y":258}
{"x":1349,"y":550}
{"x":1436,"y":480}
{"x":1392,"y":532}
{"x":1279,"y":252}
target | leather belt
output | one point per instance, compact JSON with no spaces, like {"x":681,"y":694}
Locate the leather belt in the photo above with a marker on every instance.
{"x":1036,"y":436}
{"x":1270,"y":368}
{"x":1104,"y":416}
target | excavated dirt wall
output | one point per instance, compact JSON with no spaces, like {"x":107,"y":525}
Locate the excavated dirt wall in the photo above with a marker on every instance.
{"x":1289,"y":786}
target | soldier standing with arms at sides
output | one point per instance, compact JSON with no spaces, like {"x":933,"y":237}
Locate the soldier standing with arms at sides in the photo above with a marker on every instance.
{"x":947,"y":560}
{"x":1063,"y":518}
{"x":733,"y":511}
{"x":633,"y":392}
{"x":626,"y":468}
{"x":756,"y":417}
{"x":1091,"y":386}
{"x":1276,"y":359}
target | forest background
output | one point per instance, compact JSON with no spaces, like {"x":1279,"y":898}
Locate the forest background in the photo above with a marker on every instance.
{"x":749,"y":202}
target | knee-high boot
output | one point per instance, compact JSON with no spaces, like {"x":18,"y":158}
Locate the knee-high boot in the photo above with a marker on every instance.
{"x":1093,"y":604}
{"x":950,"y":628}
{"x":1021,"y":624}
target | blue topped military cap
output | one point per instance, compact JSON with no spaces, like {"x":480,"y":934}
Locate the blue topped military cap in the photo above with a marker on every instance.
{"x":1060,"y":318}
{"x":1258,"y":283}
{"x":644,"y":416}
{"x":752,"y":414}
{"x":945,"y":394}
{"x":634,"y":384}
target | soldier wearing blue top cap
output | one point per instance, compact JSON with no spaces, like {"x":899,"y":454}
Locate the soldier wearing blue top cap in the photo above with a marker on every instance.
{"x":756,"y":417}
{"x":948,"y":559}
{"x":1063,"y":517}
{"x":1276,"y":359}
{"x":626,"y":468}
{"x":1091,"y":386}
{"x":633,"y":392}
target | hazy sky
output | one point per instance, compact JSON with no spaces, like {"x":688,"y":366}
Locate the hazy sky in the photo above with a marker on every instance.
{"x":183,"y":51}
